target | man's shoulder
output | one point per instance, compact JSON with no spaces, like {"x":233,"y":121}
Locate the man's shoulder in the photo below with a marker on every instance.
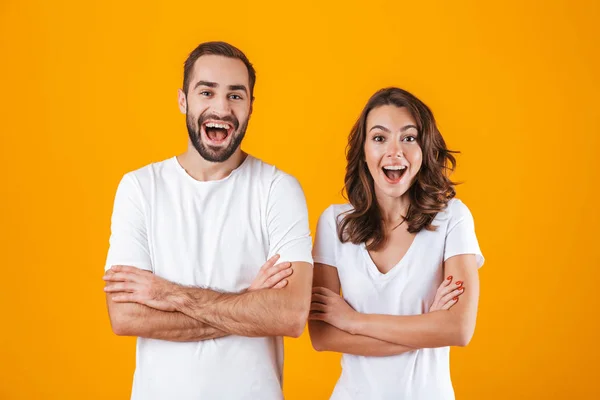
{"x":143,"y":175}
{"x":140,"y":182}
{"x":270,"y":173}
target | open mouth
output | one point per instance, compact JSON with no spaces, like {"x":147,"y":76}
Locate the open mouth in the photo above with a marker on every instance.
{"x":217,"y":132}
{"x":394,"y":173}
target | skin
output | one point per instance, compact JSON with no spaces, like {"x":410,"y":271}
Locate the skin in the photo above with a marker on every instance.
{"x":136,"y":319}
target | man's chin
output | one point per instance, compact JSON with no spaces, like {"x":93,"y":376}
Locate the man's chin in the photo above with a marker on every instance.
{"x":216,"y":153}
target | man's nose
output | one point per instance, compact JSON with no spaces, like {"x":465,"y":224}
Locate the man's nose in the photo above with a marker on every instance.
{"x":221,"y":106}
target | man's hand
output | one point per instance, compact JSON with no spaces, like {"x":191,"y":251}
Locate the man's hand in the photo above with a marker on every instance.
{"x":136,"y":285}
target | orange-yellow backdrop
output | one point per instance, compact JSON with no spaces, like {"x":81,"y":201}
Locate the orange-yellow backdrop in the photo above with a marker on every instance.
{"x":88,"y":92}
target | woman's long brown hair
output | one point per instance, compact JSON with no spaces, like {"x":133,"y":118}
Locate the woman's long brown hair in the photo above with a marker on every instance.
{"x":430,"y":191}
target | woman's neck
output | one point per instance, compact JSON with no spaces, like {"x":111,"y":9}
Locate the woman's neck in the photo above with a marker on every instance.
{"x":393,"y":209}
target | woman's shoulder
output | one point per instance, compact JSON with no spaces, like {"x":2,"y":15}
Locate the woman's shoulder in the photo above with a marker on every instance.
{"x":455,"y":209}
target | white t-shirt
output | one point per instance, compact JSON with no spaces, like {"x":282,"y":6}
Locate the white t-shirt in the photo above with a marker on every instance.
{"x":407,"y":289}
{"x":214,"y":234}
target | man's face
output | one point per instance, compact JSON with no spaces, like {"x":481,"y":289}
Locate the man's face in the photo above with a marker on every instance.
{"x":218,"y":106}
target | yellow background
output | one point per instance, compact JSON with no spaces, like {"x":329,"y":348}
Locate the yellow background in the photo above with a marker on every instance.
{"x":88,"y":92}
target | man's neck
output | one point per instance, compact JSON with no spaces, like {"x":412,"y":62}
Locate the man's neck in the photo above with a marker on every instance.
{"x":202,"y":170}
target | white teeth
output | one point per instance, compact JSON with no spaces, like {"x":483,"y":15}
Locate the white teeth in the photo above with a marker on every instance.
{"x":215,"y":125}
{"x":394,"y":167}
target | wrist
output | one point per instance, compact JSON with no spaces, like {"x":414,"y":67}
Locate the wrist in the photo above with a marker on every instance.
{"x":177,"y":297}
{"x":354,"y":323}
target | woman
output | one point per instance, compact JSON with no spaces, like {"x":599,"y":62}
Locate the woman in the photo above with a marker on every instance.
{"x":403,"y":252}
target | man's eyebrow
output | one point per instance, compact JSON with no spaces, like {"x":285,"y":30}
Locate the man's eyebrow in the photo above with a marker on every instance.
{"x":238,"y":87}
{"x":206,"y":83}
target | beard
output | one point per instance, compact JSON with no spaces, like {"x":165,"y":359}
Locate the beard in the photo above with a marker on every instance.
{"x":213,"y":153}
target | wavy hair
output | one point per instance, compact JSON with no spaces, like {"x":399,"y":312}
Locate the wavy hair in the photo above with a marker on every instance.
{"x":428,"y":194}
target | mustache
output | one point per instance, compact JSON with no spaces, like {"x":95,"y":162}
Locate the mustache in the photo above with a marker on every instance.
{"x":227,"y":118}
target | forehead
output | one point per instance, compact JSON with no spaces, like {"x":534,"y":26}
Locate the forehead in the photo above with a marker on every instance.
{"x":390,"y":116}
{"x":219,"y":69}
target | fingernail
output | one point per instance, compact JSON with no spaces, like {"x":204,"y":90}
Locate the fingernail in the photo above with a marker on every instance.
{"x":449,"y":278}
{"x":459,"y":283}
{"x":461,"y":289}
{"x":455,"y":299}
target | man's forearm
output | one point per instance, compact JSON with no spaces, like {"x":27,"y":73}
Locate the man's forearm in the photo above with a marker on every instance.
{"x":325,"y":337}
{"x":267,"y":312}
{"x":131,"y":319}
{"x":259,"y":313}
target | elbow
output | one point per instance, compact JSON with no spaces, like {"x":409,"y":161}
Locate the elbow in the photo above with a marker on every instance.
{"x":120,"y":331}
{"x":318,"y":338}
{"x":317,"y":344}
{"x":297,"y":324}
{"x":463,"y":335}
{"x":119,"y":326}
{"x":296,"y":331}
{"x":463,"y":340}
{"x":123,"y":318}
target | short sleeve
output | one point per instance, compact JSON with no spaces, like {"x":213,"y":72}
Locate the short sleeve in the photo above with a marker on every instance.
{"x":287,"y":221}
{"x":326,"y":239}
{"x":460,"y":236}
{"x":128,"y":244}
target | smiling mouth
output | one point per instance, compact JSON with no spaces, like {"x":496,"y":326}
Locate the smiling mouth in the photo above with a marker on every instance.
{"x":217,"y":132}
{"x":394,"y":173}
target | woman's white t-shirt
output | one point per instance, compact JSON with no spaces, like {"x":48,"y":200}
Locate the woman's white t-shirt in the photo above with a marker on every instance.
{"x":407,"y":289}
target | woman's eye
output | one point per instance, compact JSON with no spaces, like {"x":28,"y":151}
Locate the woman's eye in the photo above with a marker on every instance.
{"x":378,"y":138}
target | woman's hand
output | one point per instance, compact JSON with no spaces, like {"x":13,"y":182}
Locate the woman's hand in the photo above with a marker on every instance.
{"x":447,"y":295}
{"x":330,"y":307}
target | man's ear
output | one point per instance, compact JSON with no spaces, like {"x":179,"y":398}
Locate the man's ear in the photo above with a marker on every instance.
{"x":182,"y":101}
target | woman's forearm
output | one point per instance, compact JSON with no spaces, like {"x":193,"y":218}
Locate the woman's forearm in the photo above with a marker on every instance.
{"x":325,"y":337}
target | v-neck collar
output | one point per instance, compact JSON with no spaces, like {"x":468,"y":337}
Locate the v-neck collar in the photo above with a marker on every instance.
{"x":394,"y":270}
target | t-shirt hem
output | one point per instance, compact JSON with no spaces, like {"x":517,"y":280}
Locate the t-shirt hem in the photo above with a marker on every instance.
{"x":324,"y":260}
{"x":136,"y":264}
{"x":479,"y":257}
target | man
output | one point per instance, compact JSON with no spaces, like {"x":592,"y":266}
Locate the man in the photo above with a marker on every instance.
{"x":188,"y":238}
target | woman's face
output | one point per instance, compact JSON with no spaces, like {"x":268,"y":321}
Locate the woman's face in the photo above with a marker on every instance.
{"x":392,"y":152}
